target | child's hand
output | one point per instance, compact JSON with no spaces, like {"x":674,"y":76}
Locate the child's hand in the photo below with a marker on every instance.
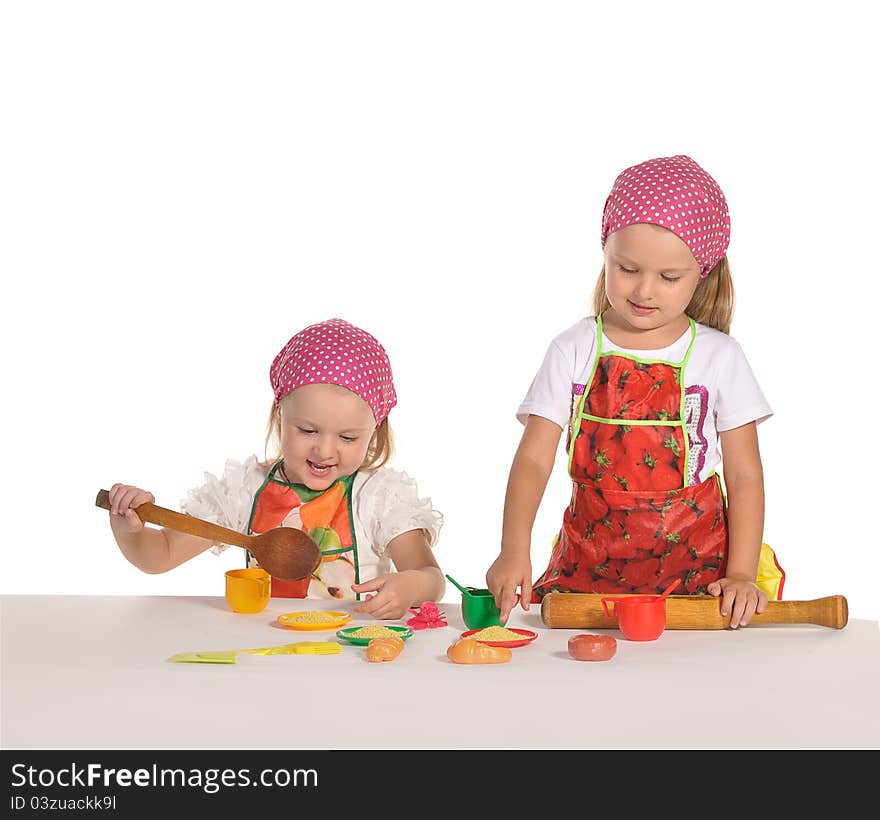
{"x":123,"y":499}
{"x":395,"y":594}
{"x":504,"y":576}
{"x":740,"y":598}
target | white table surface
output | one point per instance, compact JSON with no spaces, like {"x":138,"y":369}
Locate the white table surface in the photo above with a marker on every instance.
{"x":85,"y":672}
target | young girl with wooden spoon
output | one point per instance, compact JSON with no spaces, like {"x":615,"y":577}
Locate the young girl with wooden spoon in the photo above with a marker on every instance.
{"x":648,"y":388}
{"x":333,"y":390}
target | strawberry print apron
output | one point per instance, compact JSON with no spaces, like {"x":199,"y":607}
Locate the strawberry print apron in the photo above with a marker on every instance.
{"x":635,"y":523}
{"x":326,"y":516}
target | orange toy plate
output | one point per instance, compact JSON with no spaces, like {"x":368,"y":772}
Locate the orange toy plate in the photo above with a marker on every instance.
{"x":299,"y":620}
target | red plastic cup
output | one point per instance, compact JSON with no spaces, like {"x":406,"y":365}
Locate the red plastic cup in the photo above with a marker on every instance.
{"x":639,"y":617}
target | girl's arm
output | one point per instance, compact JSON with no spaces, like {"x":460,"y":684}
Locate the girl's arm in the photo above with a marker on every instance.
{"x":418,"y":578}
{"x":150,"y":550}
{"x":744,"y":481}
{"x":529,"y":473}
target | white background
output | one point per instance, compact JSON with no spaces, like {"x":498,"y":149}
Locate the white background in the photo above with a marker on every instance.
{"x":186,"y":184}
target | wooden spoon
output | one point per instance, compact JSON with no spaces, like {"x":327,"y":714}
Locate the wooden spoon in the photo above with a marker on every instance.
{"x":285,"y":552}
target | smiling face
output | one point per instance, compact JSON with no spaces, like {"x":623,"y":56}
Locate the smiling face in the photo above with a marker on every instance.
{"x":650,"y":277}
{"x":325,"y":432}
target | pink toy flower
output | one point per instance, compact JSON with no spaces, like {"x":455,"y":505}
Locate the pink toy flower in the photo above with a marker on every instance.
{"x":428,"y":616}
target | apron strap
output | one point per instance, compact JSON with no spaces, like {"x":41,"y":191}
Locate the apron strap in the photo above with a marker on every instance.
{"x":274,"y":469}
{"x":687,"y":355}
{"x":600,"y":336}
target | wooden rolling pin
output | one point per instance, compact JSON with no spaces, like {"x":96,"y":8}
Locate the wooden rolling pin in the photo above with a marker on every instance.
{"x":581,"y":610}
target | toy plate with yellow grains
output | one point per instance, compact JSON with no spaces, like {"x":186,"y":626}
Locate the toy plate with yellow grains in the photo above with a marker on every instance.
{"x":501,"y":636}
{"x":362,"y":635}
{"x":314,"y":619}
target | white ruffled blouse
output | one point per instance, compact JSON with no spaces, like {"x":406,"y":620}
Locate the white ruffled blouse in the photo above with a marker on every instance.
{"x":385,"y":504}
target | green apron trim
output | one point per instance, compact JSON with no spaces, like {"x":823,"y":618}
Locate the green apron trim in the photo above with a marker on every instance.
{"x":580,"y":415}
{"x":256,"y":497}
{"x":349,"y":493}
{"x":685,"y":436}
{"x":305,"y":495}
{"x":717,"y":476}
{"x":633,"y":422}
{"x":248,"y":553}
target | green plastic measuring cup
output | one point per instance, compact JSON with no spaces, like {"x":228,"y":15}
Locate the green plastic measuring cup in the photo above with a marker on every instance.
{"x":478,"y":607}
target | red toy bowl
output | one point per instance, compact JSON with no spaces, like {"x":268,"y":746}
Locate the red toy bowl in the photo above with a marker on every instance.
{"x":639,"y":617}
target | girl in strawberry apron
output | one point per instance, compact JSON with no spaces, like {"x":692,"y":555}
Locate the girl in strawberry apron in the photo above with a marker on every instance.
{"x":333,"y":391}
{"x":650,"y":389}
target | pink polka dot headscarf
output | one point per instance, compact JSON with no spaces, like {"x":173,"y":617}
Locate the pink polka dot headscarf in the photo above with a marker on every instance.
{"x":677,"y":194}
{"x":336,"y":352}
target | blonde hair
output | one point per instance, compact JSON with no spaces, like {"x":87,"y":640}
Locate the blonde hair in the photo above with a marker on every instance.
{"x":712,"y":302}
{"x":378,"y":451}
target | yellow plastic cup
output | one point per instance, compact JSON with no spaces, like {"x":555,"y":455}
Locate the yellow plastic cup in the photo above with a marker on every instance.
{"x":248,"y":590}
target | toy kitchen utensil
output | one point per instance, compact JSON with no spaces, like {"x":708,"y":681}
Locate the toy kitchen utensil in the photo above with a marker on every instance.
{"x":580,"y":610}
{"x":639,"y":617}
{"x":460,"y":587}
{"x":671,"y":587}
{"x":285,"y":552}
{"x":248,"y":590}
{"x":229,"y":655}
{"x":298,"y":648}
{"x":220,"y":656}
{"x":478,"y":607}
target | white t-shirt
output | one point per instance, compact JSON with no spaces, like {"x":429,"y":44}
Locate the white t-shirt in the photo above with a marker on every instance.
{"x":721,"y":391}
{"x":385,"y":504}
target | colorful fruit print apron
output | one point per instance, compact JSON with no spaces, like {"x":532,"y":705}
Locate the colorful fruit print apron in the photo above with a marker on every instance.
{"x":326,"y":516}
{"x":636,"y":522}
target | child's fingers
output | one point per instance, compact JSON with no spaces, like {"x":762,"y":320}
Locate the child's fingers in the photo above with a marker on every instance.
{"x":745,"y":605}
{"x":124,"y":496}
{"x":500,"y":602}
{"x":369,"y":586}
{"x":117,"y":493}
{"x":142,"y":497}
{"x":371,"y":602}
{"x":755,"y":602}
{"x":508,"y":601}
{"x":748,"y":610}
{"x":728,"y":596}
{"x":389,"y":612}
{"x":526,"y":595}
{"x":739,"y":608}
{"x":362,"y":601}
{"x":379,"y":606}
{"x":133,"y":520}
{"x":364,"y":606}
{"x":122,"y":500}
